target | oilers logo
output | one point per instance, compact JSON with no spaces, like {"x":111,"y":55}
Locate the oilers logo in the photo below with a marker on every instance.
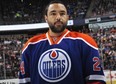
{"x":54,"y":65}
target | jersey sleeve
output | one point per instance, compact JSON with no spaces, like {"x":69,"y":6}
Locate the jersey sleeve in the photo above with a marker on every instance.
{"x":26,"y":62}
{"x":24,"y":74}
{"x":93,"y":71}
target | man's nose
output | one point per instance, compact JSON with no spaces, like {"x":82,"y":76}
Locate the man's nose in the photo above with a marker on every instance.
{"x":58,"y":16}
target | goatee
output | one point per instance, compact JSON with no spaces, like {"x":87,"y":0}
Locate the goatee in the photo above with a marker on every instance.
{"x":57,"y":29}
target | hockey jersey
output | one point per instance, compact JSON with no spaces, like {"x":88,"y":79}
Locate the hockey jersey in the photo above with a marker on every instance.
{"x":72,"y":59}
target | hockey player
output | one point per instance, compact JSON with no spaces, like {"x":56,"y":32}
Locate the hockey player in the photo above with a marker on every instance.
{"x":60,"y":56}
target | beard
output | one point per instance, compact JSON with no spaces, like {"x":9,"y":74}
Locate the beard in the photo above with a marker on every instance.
{"x":57,"y":29}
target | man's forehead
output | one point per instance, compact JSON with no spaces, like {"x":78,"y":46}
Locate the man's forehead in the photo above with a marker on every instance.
{"x":57,"y":7}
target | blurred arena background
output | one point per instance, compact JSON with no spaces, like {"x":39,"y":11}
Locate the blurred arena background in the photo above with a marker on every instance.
{"x":21,"y":19}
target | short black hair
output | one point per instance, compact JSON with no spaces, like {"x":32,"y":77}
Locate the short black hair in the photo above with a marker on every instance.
{"x":52,"y":2}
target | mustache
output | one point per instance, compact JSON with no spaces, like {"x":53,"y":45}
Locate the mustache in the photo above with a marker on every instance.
{"x":58,"y":22}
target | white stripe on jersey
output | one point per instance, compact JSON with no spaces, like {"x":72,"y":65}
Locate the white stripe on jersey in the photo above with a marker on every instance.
{"x":33,"y":43}
{"x":82,"y":40}
{"x":96,"y":77}
{"x":24,"y":80}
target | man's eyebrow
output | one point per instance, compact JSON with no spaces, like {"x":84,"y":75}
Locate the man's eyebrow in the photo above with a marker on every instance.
{"x":62,"y":11}
{"x":55,"y":11}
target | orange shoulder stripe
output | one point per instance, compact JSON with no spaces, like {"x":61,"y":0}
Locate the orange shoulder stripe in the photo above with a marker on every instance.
{"x":83,"y":36}
{"x":34,"y":39}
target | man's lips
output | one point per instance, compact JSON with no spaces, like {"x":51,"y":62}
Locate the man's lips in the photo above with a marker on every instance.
{"x":58,"y":23}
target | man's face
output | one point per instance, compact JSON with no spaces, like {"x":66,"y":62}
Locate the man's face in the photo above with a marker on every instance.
{"x":57,"y":17}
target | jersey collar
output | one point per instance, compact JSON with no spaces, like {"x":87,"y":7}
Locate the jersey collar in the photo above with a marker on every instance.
{"x":56,"y":40}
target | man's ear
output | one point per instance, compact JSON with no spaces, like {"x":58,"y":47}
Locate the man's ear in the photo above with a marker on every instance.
{"x":45,"y":18}
{"x":67,"y":17}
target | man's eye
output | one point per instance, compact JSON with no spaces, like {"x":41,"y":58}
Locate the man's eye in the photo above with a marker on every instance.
{"x":53,"y":13}
{"x":62,"y":13}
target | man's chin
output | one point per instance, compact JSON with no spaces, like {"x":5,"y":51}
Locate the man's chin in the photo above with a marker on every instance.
{"x":58,"y":30}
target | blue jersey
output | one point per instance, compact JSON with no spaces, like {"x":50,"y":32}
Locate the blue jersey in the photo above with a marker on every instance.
{"x":71,"y":58}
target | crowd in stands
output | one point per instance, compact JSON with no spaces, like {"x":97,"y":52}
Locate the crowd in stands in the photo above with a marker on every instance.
{"x":21,"y":11}
{"x":10,"y":54}
{"x":11,"y":45}
{"x":31,"y":11}
{"x":104,"y":7}
{"x":106,"y":40}
{"x":78,"y":9}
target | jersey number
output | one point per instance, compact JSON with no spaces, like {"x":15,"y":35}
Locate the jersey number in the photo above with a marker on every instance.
{"x":22,"y":68}
{"x":96,"y":64}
